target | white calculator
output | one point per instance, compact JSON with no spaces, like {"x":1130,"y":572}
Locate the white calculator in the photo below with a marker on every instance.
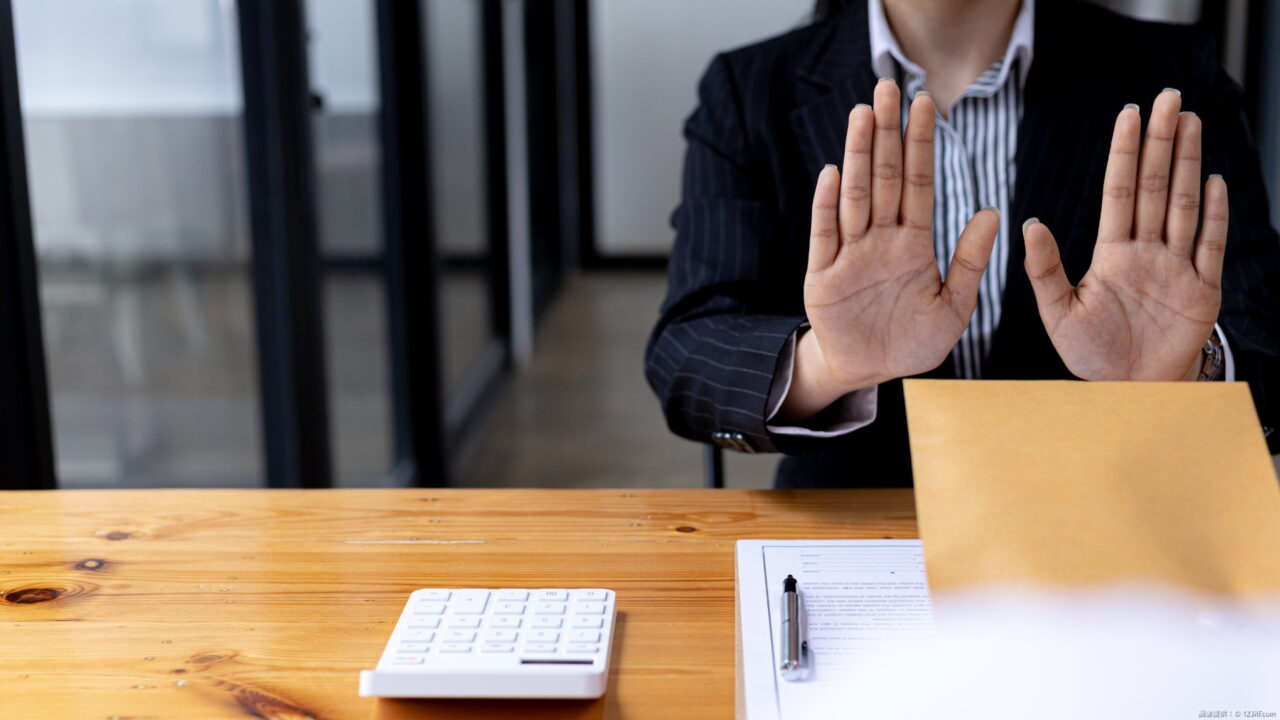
{"x":509,"y":643}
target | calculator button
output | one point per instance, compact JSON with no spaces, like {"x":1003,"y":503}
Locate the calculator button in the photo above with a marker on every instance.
{"x":509,"y":608}
{"x":488,"y":628}
{"x":470,"y":602}
{"x":501,"y":636}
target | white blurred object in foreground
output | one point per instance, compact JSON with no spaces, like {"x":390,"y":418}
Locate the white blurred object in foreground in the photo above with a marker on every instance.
{"x":1133,"y":652}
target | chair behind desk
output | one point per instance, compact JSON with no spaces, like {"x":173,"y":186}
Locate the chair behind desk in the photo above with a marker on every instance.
{"x":713,"y":464}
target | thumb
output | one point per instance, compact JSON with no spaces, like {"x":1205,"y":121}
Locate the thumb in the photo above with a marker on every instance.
{"x":973,"y":252}
{"x":1044,"y":267}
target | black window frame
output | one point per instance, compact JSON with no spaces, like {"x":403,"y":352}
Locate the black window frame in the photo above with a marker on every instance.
{"x":26,"y":429}
{"x":285,"y":265}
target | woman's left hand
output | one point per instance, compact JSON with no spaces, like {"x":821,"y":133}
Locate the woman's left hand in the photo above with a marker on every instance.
{"x":1151,"y":296}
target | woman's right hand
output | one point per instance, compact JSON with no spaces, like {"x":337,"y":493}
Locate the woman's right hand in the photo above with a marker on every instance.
{"x":873,"y":294}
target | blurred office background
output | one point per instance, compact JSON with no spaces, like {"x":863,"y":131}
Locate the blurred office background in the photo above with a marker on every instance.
{"x":375,"y":242}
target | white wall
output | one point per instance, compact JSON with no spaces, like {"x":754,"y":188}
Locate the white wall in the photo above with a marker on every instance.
{"x":127,"y":57}
{"x":343,"y":54}
{"x":646,"y":58}
{"x":133,"y":118}
{"x":168,"y":57}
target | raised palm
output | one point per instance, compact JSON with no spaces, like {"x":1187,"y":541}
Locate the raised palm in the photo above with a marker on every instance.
{"x":873,"y":293}
{"x":1152,"y":293}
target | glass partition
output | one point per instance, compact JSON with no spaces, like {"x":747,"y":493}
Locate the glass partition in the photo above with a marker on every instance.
{"x":135,"y":160}
{"x":455,"y":82}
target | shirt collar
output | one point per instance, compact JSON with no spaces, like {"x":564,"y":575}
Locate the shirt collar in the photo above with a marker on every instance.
{"x":885,"y":50}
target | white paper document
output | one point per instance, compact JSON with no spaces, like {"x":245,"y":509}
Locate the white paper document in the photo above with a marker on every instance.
{"x":857,"y":597}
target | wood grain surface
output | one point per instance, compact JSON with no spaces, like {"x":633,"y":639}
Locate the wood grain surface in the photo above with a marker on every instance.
{"x":267,"y":603}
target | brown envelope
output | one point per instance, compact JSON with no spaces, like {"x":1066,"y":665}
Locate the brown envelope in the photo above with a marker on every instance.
{"x":1075,"y":483}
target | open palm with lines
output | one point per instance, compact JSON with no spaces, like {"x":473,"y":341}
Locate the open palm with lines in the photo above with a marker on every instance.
{"x":873,"y":293}
{"x":1151,"y":296}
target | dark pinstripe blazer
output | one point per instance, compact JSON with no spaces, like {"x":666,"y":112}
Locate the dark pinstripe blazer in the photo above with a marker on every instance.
{"x":770,"y":115}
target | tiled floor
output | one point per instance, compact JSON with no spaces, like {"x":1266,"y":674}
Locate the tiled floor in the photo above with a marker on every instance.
{"x":154,"y":385}
{"x":582,"y":415}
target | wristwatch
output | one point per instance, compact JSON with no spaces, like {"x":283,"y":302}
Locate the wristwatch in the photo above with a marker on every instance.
{"x":1212,"y":358}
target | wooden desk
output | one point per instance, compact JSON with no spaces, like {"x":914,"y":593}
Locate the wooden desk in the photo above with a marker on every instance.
{"x":268,"y":603}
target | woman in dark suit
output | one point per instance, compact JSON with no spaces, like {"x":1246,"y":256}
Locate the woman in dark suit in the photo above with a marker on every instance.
{"x":1024,"y":225}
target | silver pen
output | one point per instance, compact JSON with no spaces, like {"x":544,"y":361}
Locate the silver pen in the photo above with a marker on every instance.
{"x":794,"y":650}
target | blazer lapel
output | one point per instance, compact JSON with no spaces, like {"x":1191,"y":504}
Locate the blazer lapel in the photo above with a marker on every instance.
{"x":834,"y":77}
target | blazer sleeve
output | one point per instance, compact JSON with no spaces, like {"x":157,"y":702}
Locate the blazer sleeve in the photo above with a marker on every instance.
{"x":712,"y":356}
{"x":1250,"y":312}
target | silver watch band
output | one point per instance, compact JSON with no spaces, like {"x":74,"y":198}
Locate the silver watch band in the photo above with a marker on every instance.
{"x":1212,"y":359}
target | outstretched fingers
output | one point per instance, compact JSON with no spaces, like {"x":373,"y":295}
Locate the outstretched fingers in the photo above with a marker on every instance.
{"x":1184,"y":192}
{"x":886,"y":155}
{"x":1153,"y":167}
{"x":1116,"y":223}
{"x":824,"y":229}
{"x":855,"y":180}
{"x":917,"y":180}
{"x":1212,"y":246}
{"x":1044,"y":267}
{"x":973,"y":252}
